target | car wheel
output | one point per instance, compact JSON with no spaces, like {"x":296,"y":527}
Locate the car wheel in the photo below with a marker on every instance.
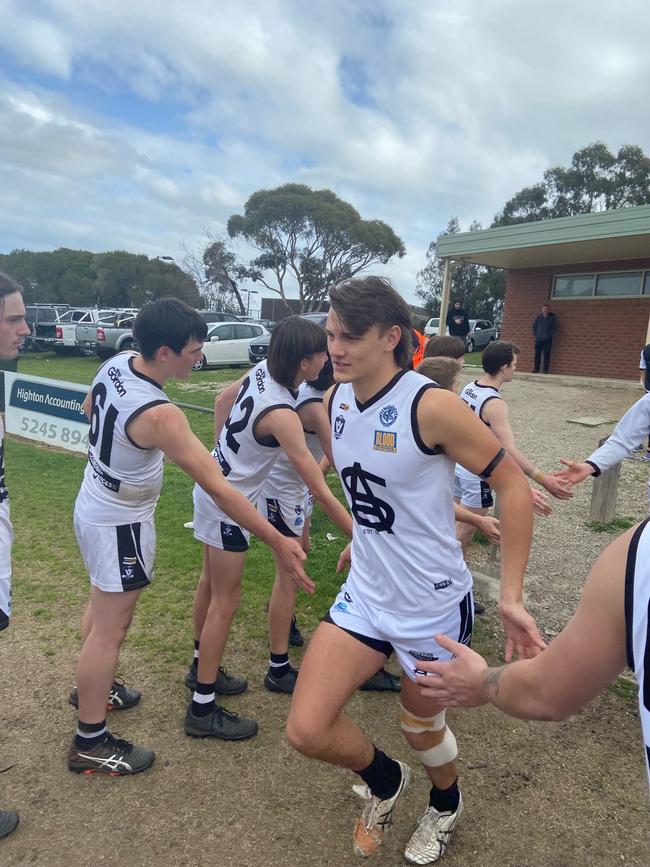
{"x":126,"y":346}
{"x":201,"y":364}
{"x":470,"y":345}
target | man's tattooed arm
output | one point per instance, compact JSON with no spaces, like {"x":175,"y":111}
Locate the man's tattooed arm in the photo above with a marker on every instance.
{"x":491,"y":682}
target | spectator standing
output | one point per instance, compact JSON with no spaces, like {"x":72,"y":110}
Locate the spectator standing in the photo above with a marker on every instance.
{"x":644,"y":368}
{"x":544,"y":327}
{"x":457,"y":320}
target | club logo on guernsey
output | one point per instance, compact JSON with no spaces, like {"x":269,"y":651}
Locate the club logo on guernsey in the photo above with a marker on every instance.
{"x":388,"y":415}
{"x":344,"y":406}
{"x":367,"y":508}
{"x":339,"y":424}
{"x":385,"y":441}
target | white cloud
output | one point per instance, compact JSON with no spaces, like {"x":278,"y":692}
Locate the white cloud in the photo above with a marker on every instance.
{"x":411,"y":111}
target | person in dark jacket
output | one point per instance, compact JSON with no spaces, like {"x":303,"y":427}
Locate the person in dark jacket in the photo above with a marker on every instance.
{"x":544,"y":327}
{"x":457,"y":320}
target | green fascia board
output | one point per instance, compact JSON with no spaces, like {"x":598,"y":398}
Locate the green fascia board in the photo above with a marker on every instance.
{"x":619,"y":223}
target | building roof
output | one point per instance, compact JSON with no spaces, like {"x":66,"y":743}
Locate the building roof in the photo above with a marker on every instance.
{"x":604,"y":236}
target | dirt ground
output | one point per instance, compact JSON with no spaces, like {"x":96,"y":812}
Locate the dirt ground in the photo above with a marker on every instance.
{"x":570,"y":794}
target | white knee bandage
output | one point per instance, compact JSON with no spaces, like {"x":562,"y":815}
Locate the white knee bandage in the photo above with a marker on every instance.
{"x":444,"y":752}
{"x":415,"y":725}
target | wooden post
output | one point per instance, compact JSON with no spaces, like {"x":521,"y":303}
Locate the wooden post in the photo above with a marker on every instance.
{"x":446,"y":292}
{"x":605,"y":493}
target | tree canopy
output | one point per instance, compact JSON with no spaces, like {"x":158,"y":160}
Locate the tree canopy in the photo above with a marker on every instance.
{"x":596,"y":180}
{"x":481,"y":289}
{"x":114,"y":279}
{"x":311,"y":237}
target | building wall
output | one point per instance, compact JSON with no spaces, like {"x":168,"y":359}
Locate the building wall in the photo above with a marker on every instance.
{"x":595,"y":336}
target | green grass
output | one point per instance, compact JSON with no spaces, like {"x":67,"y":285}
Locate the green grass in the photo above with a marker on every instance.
{"x":611,"y":526}
{"x":50,"y":579}
{"x":473,"y":358}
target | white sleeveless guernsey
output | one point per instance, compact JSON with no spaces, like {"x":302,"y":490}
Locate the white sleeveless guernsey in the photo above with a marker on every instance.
{"x":283,"y":482}
{"x":122,"y":481}
{"x":244,"y":456}
{"x":637,"y":623}
{"x":405,"y":557}
{"x":476,"y":396}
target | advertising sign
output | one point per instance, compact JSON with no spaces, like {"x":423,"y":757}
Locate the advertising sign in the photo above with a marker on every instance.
{"x":46,"y":410}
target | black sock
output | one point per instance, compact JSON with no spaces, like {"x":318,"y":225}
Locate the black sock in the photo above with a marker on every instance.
{"x":195,"y":660}
{"x":445,"y":800}
{"x":203,"y":699}
{"x":279,"y":664}
{"x":89,"y":734}
{"x":382,"y":776}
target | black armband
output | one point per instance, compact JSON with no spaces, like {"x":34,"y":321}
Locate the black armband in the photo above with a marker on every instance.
{"x":496,"y":460}
{"x":596,"y":471}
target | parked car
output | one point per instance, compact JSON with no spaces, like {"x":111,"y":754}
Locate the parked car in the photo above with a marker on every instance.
{"x":481,"y":332}
{"x":219,"y":316}
{"x":42,"y":319}
{"x":432,"y":326}
{"x":259,"y":348}
{"x":114,"y":334}
{"x":65,"y":338}
{"x":227,"y":344}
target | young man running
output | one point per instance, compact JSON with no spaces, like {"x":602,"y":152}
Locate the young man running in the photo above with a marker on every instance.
{"x":132,"y":426}
{"x":261,"y":421}
{"x":575,"y":668}
{"x":13,"y":330}
{"x":484,"y":398}
{"x":396,"y":437}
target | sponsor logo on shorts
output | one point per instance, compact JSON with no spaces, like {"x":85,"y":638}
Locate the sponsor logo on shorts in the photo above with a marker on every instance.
{"x":298,"y":522}
{"x":423,"y":655}
{"x":388,"y":415}
{"x":347,"y":596}
{"x":298,"y":510}
{"x":344,"y":406}
{"x":128,"y":568}
{"x":227,"y":529}
{"x":440,"y":585}
{"x":341,"y":606}
{"x":339,"y":424}
{"x":385,"y":441}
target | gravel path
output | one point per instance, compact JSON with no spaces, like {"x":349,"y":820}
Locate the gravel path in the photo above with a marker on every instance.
{"x":564,"y":547}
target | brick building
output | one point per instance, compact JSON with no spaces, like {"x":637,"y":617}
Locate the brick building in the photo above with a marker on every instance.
{"x":594,"y":272}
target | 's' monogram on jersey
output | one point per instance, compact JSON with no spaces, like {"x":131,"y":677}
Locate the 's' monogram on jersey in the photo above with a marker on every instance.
{"x":405,"y":557}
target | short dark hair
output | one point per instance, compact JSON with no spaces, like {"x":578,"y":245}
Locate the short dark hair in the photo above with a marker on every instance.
{"x":292,"y":340}
{"x":498,"y":353}
{"x":167,"y":322}
{"x":362,"y":302}
{"x":325,"y":378}
{"x":442,"y":370}
{"x":8,"y":286}
{"x":444,"y":346}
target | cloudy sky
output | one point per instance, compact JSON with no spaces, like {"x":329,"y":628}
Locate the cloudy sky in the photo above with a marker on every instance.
{"x":138,"y":125}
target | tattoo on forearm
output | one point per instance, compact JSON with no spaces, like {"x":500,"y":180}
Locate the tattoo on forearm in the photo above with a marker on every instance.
{"x":491,"y":682}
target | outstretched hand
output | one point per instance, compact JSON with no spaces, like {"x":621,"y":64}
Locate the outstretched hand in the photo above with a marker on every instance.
{"x":575,"y":473}
{"x":522,"y":635}
{"x":457,"y":682}
{"x":541,"y":503}
{"x":292,"y":557}
{"x":489,"y":526}
{"x":345,"y":559}
{"x":557,"y":487}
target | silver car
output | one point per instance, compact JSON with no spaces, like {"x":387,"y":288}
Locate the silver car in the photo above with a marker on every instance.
{"x":481,"y":332}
